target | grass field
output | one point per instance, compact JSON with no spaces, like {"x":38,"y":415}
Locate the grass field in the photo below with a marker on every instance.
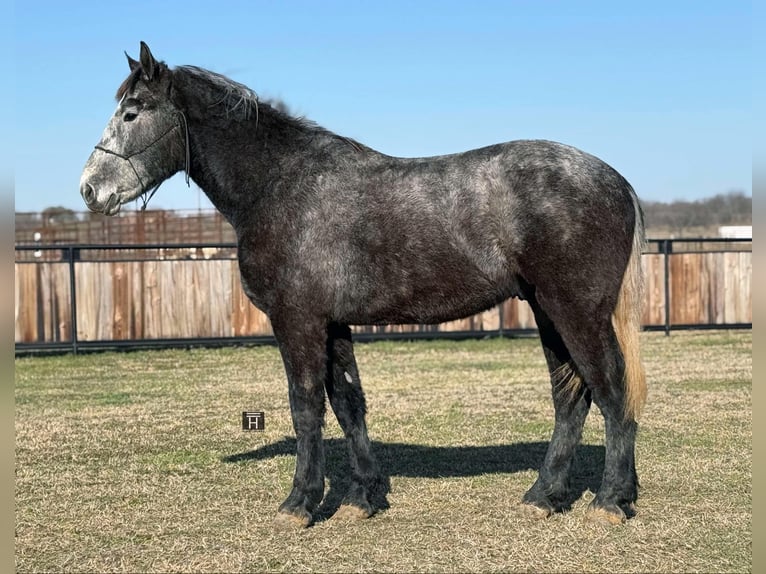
{"x":136,"y":462}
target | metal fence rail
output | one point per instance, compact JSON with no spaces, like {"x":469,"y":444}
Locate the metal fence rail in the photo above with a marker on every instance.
{"x":726,"y":264}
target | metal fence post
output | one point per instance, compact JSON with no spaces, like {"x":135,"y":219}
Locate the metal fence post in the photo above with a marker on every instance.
{"x":667,"y":248}
{"x":73,"y":296}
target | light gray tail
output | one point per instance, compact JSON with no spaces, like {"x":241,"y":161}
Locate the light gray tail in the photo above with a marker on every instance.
{"x":626,"y":320}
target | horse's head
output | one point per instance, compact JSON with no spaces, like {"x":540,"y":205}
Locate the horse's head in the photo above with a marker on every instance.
{"x":144,"y":143}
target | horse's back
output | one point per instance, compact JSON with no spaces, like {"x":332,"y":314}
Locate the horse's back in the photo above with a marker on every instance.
{"x":433,"y":239}
{"x":510,"y":190}
{"x":512,"y":206}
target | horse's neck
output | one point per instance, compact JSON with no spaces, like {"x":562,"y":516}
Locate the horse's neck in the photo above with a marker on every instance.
{"x":237,"y":167}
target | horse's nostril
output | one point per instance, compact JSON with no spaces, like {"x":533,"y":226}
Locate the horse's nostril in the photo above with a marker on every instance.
{"x":87,"y":192}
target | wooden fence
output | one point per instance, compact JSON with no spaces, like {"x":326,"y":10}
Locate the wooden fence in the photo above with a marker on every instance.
{"x":172,"y":298}
{"x":150,"y":226}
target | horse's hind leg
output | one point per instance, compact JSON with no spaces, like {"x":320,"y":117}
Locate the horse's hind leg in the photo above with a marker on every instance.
{"x":602,"y":364}
{"x":550,"y":492}
{"x":591,"y":340}
{"x":367,"y":491}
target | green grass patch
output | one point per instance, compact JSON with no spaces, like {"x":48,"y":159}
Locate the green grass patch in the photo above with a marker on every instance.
{"x":136,"y":461}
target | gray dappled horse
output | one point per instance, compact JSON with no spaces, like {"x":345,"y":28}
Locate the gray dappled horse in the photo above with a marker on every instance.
{"x":332,"y":233}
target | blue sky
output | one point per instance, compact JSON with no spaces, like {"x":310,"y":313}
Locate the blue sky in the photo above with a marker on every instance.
{"x":661,"y":90}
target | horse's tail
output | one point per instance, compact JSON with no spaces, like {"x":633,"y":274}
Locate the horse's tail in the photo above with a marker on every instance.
{"x":626,"y":320}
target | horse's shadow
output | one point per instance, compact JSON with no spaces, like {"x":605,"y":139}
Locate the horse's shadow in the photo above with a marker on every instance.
{"x":413,"y":460}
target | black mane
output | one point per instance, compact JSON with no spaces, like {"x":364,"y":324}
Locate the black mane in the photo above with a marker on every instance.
{"x":238,"y":102}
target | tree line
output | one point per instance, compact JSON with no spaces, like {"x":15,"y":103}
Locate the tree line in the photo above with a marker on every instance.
{"x":733,"y":208}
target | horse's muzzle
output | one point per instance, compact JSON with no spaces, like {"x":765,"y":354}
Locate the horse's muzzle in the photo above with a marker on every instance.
{"x":110,"y":207}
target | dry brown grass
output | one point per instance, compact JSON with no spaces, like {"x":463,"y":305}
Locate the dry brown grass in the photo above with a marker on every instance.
{"x":136,"y":462}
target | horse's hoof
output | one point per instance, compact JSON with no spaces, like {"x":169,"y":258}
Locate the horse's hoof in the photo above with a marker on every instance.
{"x":288,"y":521}
{"x":536,"y":512}
{"x":350,"y":512}
{"x":611,"y":516}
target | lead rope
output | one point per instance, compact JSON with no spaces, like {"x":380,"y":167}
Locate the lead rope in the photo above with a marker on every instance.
{"x":144,"y":197}
{"x":188,"y":152}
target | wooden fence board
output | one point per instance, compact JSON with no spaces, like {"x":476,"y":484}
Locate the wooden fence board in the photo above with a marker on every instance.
{"x":744,"y":286}
{"x":654,"y":281}
{"x":711,"y":288}
{"x":93,"y":285}
{"x":26,"y":311}
{"x":518,"y":315}
{"x":138,"y":294}
{"x":151,"y":300}
{"x":122,"y":300}
{"x":183,"y":298}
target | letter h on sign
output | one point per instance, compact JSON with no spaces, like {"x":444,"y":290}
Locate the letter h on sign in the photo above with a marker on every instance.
{"x":253,"y":421}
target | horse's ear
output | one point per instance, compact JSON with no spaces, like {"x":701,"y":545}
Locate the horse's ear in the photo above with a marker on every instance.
{"x":148,"y":63}
{"x":132,"y":63}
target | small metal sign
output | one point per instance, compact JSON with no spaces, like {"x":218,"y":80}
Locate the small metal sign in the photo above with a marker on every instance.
{"x":253,"y":420}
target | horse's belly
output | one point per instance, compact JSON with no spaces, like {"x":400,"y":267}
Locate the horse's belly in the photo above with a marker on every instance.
{"x":442,"y":299}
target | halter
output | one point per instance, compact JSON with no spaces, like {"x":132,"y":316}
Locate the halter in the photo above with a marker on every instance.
{"x":127,"y":157}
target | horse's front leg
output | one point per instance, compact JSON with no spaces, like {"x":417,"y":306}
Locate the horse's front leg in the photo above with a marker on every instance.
{"x":303,"y":345}
{"x":368,"y":489}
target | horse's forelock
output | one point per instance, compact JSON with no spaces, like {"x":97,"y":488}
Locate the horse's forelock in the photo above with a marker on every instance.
{"x":128,"y":84}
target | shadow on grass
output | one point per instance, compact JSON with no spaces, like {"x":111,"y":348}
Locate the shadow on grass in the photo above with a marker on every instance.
{"x":412,"y":460}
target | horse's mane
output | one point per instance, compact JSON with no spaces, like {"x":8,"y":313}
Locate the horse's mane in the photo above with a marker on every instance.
{"x":238,"y":101}
{"x":241,"y":103}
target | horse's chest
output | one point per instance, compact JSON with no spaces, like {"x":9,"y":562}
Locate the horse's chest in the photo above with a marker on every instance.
{"x":258,"y":276}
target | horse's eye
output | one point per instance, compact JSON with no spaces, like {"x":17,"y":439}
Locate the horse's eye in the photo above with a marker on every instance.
{"x":129,"y":116}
